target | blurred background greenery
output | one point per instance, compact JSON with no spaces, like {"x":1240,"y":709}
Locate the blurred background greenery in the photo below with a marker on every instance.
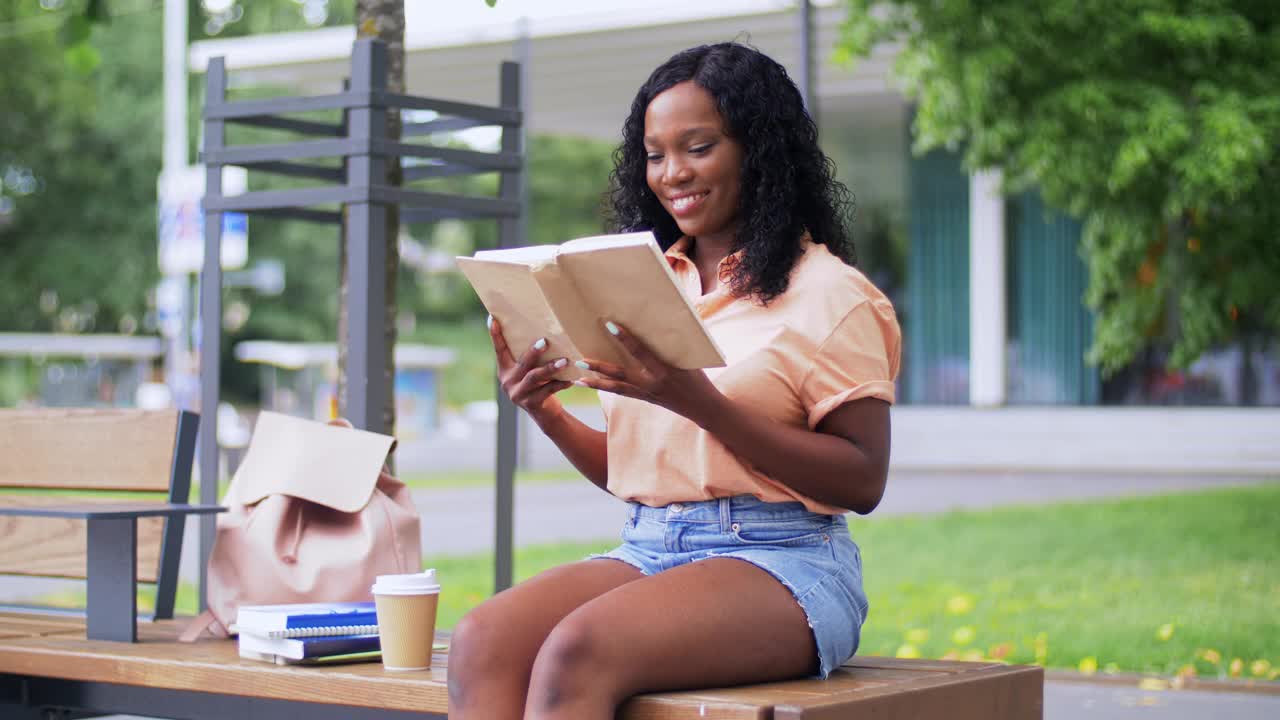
{"x":81,"y":128}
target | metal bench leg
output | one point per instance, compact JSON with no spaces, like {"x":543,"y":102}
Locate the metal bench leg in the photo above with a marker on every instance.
{"x":112,"y":606}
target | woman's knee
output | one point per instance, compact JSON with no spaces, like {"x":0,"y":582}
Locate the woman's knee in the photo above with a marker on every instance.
{"x":575,"y":660}
{"x":475,"y":651}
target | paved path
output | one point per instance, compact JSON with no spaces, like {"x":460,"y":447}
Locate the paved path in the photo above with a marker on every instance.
{"x":1072,"y":700}
{"x":461,"y":521}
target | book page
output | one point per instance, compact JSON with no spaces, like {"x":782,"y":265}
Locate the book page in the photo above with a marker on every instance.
{"x":512,"y":294}
{"x":532,"y":255}
{"x":630,"y":282}
{"x":583,"y":327}
{"x":596,"y":242}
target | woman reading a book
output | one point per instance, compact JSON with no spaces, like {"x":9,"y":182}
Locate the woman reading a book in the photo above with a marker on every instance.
{"x":736,"y":564}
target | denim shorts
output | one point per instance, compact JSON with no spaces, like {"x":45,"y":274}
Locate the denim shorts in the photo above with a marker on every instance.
{"x":811,"y":554}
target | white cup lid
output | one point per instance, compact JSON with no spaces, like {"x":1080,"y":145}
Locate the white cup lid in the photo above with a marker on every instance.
{"x":410,"y":584}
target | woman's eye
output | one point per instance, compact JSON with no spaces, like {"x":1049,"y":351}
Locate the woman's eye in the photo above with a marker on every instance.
{"x":700,"y":149}
{"x":654,"y":157}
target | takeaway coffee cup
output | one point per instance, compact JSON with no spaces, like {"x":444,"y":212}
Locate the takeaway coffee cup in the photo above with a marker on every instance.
{"x":407,"y":618}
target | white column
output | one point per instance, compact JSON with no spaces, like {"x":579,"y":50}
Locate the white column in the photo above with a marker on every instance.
{"x":987,"y":337}
{"x":175,"y":85}
{"x":173,"y":161}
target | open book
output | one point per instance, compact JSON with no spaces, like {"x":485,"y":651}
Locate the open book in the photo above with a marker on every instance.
{"x":566,"y":292}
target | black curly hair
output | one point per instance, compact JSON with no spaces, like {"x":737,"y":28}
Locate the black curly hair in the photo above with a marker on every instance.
{"x":788,"y":184}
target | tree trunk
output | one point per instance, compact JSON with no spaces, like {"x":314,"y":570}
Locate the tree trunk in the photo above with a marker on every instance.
{"x":383,"y":19}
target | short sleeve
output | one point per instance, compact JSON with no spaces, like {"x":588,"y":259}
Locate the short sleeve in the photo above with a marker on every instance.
{"x":858,"y":359}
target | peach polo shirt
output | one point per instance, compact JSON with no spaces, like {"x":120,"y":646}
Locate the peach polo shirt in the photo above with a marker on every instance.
{"x":831,"y":338}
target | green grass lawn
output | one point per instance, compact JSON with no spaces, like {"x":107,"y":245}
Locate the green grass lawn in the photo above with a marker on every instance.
{"x":1168,"y":584}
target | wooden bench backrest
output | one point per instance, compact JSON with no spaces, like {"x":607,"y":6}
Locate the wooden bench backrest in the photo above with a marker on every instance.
{"x":132,"y":451}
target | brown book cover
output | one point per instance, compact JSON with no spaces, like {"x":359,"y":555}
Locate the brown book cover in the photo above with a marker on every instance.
{"x":566,"y":292}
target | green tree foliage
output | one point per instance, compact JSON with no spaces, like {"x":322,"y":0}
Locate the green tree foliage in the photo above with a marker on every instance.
{"x":77,"y":183}
{"x":80,"y":155}
{"x":567,"y":180}
{"x":1155,"y":121}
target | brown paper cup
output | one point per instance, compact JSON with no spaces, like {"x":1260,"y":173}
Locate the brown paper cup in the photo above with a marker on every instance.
{"x":406,"y":620}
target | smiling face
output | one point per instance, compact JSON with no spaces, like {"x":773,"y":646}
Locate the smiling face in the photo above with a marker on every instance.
{"x":694,"y":166}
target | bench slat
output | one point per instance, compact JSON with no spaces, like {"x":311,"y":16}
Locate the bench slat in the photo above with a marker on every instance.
{"x":55,"y":547}
{"x":984,"y":693}
{"x":34,"y":627}
{"x":864,"y":688}
{"x":51,"y":448}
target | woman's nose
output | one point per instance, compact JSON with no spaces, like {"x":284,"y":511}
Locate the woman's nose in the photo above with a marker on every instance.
{"x":677,"y":172}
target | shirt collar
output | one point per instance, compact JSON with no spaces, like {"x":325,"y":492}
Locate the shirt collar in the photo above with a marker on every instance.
{"x":679,"y":250}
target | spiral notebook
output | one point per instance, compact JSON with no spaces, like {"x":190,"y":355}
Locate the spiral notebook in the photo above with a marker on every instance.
{"x":304,"y":632}
{"x":307,"y":619}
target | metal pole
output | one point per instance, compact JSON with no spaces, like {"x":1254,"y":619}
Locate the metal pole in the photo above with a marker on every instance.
{"x":511,"y":233}
{"x":210,"y":317}
{"x":366,"y":223}
{"x":807,"y":74}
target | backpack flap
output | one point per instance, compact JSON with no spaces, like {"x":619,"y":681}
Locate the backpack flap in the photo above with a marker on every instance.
{"x":330,"y":465}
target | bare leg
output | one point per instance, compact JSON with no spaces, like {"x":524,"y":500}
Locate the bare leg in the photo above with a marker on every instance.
{"x":492,"y":650}
{"x":710,"y":623}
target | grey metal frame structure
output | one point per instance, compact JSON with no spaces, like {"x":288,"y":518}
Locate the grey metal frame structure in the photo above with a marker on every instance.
{"x":808,"y":74}
{"x":111,"y":606}
{"x":357,"y":184}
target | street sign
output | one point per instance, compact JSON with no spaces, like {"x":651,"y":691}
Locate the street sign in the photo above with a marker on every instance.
{"x":181,"y":220}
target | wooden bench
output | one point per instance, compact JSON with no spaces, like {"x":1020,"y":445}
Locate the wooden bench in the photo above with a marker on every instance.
{"x":58,"y":668}
{"x":144,"y":459}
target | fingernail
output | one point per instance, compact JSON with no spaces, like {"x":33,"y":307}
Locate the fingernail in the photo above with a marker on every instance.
{"x":489,"y":322}
{"x":542,"y":342}
{"x":560,"y":363}
{"x":613,"y":329}
{"x":581,"y":383}
{"x":583,"y":365}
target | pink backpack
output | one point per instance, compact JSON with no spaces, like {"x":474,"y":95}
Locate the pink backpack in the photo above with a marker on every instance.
{"x":313,"y":516}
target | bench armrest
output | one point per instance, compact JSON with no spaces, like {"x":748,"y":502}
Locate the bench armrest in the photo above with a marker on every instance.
{"x":111,"y":609}
{"x":112,"y":511}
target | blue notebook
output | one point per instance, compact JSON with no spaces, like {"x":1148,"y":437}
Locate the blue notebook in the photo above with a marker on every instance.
{"x":277,"y":619}
{"x":311,"y":647}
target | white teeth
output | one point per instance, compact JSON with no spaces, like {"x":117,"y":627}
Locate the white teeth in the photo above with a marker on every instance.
{"x":682,"y":203}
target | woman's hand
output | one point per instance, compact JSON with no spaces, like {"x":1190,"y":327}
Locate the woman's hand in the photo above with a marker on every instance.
{"x":528,"y":381}
{"x":689,"y":393}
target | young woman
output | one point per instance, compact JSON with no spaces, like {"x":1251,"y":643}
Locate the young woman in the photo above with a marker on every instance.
{"x":736,"y":564}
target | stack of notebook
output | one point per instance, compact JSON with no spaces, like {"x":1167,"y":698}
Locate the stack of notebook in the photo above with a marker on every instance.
{"x":308,"y":632}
